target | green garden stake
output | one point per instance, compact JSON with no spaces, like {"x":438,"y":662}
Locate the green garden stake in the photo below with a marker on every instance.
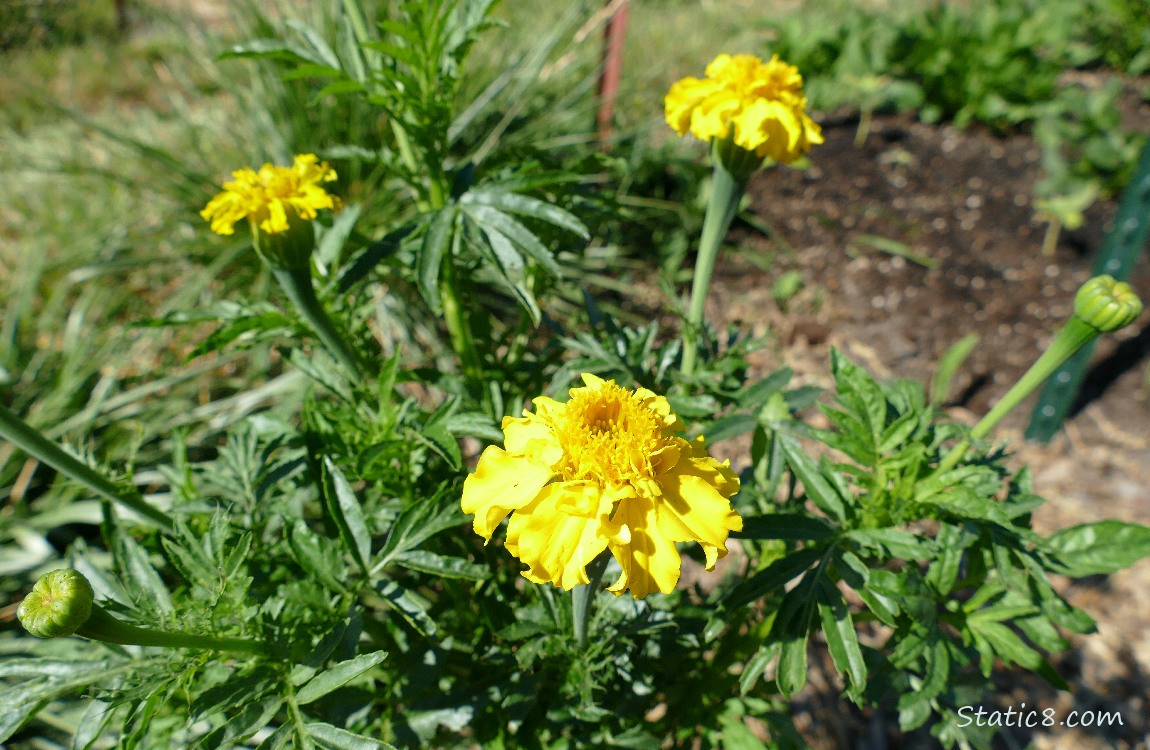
{"x":1119,"y":252}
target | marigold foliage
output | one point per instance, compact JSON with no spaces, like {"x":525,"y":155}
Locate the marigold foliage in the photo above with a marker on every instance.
{"x":272,"y":197}
{"x":760,"y":105}
{"x":606,"y":470}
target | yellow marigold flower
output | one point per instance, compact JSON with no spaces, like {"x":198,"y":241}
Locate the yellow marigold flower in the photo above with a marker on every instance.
{"x":278,"y":202}
{"x":607,"y":469}
{"x":760,"y":106}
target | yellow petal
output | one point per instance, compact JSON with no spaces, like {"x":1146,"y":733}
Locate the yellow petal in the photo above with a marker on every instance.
{"x":502,"y":482}
{"x":695,"y":504}
{"x":561,"y":532}
{"x":649,"y":559}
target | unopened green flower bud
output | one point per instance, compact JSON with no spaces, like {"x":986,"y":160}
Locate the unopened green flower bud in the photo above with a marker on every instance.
{"x":59,"y":603}
{"x":1107,"y":305}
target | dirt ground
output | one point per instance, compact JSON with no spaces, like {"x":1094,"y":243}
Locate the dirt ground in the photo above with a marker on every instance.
{"x":963,"y":200}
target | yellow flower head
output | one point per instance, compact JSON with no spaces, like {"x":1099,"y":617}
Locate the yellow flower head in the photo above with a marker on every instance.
{"x":760,"y":106}
{"x":607,"y":469}
{"x":278,"y":202}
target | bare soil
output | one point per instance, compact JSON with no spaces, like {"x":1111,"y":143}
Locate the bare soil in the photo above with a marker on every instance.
{"x":961,"y":200}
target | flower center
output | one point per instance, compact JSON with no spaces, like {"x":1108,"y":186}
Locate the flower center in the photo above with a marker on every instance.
{"x":608,"y":437}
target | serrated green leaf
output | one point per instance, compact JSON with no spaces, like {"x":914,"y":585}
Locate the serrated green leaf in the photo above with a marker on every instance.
{"x":1097,"y":548}
{"x":789,"y":526}
{"x":409,"y":605}
{"x":821,"y":491}
{"x":489,"y":218}
{"x":755,"y":667}
{"x":441,"y":565}
{"x":442,"y":442}
{"x":773,"y":577}
{"x":338,"y":675}
{"x":317,"y":555}
{"x":730,"y":426}
{"x":736,"y":735}
{"x":420,"y":521}
{"x":792,"y":669}
{"x":894,"y":542}
{"x":524,"y":205}
{"x":842,"y":639}
{"x":334,"y":738}
{"x":345,"y":510}
{"x":436,"y":244}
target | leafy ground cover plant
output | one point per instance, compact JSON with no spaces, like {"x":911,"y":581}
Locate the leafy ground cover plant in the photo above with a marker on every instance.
{"x":311,"y":581}
{"x":997,"y":63}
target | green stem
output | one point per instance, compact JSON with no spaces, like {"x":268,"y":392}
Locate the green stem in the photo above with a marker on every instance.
{"x":101,"y":626}
{"x":459,"y":328}
{"x":31,"y":441}
{"x":583,"y":595}
{"x":1074,"y":335}
{"x":296,"y":283}
{"x":726,"y":192}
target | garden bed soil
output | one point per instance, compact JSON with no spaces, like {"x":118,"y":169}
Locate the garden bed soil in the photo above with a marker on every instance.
{"x":961,"y":202}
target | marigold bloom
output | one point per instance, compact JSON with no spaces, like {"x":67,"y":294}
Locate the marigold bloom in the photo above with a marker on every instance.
{"x":278,"y":202}
{"x":759,"y":105}
{"x":607,"y":469}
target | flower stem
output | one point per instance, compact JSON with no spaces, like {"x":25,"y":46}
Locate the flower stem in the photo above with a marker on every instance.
{"x":582,"y":596}
{"x":726,"y":193}
{"x":1070,"y":339}
{"x":101,"y":626}
{"x":1102,"y":305}
{"x":462,"y":339}
{"x":297,"y":284}
{"x":32,"y":441}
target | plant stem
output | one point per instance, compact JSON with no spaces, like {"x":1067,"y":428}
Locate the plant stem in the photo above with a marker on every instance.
{"x":1073,"y":336}
{"x":31,"y":441}
{"x":101,"y":626}
{"x":583,"y":595}
{"x":459,"y":328}
{"x":296,"y":283}
{"x":726,"y":192}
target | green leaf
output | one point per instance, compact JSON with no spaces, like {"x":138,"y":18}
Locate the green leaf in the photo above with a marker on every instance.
{"x":524,"y":205}
{"x":1097,"y":548}
{"x":334,"y":738}
{"x":730,"y":426}
{"x":773,"y":577}
{"x":789,"y":526}
{"x":756,"y":665}
{"x":736,"y":735}
{"x":792,"y":669}
{"x":818,"y":489}
{"x":409,"y":605}
{"x":317,"y":555}
{"x":894,"y":542}
{"x":842,"y":639}
{"x":419,"y":522}
{"x":345,"y":510}
{"x":436,"y":243}
{"x":882,"y":594}
{"x":338,"y":675}
{"x":436,"y":437}
{"x":948,"y":365}
{"x":441,"y":565}
{"x":491,"y":218}
{"x":757,"y":394}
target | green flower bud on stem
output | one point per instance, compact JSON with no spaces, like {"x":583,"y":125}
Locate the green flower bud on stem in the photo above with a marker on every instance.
{"x":1102,"y":305}
{"x":61,"y":604}
{"x":1106,"y":305}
